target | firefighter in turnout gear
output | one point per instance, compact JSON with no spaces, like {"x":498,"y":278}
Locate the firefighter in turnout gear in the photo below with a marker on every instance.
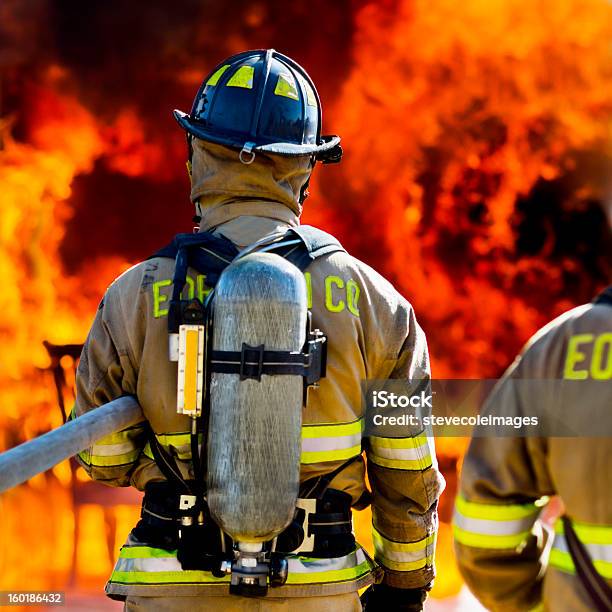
{"x":512,"y":559}
{"x":254,"y":136}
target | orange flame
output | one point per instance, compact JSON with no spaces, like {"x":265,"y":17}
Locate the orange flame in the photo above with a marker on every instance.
{"x":449,"y":115}
{"x":40,"y":302}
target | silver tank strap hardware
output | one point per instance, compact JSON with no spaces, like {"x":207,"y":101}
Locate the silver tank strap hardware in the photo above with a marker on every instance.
{"x":247,"y":155}
{"x":254,"y":361}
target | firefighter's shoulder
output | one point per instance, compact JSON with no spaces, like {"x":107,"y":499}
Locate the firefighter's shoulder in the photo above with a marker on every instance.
{"x":591,"y":317}
{"x":574,"y":343}
{"x":340,"y":277}
{"x":143,"y":274}
{"x":138,"y":282}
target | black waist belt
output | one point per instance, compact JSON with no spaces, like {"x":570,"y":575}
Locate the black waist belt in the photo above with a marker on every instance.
{"x":321,"y":527}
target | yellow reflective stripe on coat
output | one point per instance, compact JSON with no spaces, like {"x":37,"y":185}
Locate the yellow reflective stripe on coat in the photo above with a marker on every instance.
{"x":120,"y":448}
{"x":320,"y":443}
{"x":597,"y":539}
{"x":147,"y":565}
{"x":401,"y":453}
{"x":404,"y":556}
{"x":331,"y":442}
{"x":493,"y":526}
{"x":177,"y":444}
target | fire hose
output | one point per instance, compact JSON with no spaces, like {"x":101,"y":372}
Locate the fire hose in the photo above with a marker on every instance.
{"x":35,"y":456}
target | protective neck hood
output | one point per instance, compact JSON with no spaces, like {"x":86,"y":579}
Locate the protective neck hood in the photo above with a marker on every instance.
{"x":225,"y":188}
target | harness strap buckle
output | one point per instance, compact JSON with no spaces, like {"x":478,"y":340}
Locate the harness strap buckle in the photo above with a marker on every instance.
{"x":259,"y":363}
{"x":247,"y":155}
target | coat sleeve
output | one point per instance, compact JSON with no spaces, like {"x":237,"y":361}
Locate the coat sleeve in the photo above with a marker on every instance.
{"x":105,"y":372}
{"x":499,"y":540}
{"x":405,"y":480}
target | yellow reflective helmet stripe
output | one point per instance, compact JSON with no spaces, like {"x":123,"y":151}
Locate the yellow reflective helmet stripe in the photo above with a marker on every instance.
{"x":493,"y":526}
{"x":331,"y":442}
{"x":214,"y":79}
{"x":286,"y":87}
{"x":311,"y":98}
{"x":401,"y":453}
{"x":404,"y":556}
{"x":243,"y":77}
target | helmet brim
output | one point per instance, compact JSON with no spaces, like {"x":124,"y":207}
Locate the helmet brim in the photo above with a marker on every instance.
{"x":279,"y":148}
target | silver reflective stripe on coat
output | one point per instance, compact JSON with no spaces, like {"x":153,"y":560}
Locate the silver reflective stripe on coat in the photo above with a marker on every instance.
{"x":491,"y":527}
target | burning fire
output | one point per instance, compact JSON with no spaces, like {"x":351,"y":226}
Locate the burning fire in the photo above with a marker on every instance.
{"x":449,"y":116}
{"x":477,"y":146}
{"x":41,"y":302}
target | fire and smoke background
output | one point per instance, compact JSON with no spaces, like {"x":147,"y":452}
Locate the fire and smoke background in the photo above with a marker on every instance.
{"x":477,"y":141}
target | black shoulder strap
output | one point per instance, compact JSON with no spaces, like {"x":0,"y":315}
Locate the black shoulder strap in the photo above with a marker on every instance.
{"x":210,"y":254}
{"x":605,"y":297}
{"x":317,"y":243}
{"x":596,"y":586}
{"x":166,"y":464}
{"x":207,"y":253}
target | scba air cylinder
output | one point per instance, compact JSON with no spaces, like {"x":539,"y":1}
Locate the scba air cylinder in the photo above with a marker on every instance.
{"x":254,"y":441}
